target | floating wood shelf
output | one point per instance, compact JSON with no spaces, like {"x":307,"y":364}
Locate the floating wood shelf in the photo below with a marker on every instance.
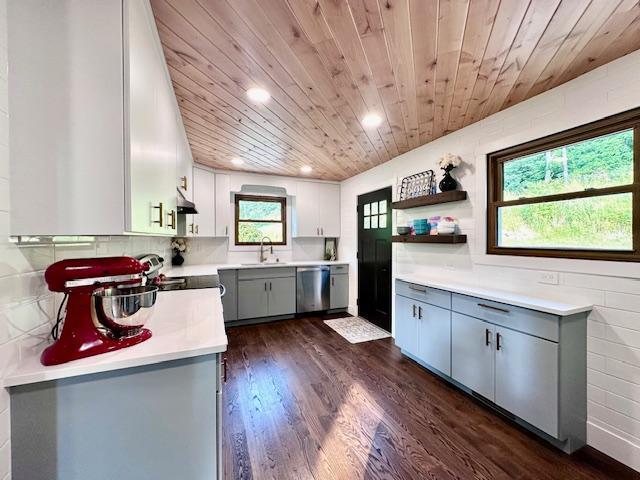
{"x":444,"y":197}
{"x":429,"y":239}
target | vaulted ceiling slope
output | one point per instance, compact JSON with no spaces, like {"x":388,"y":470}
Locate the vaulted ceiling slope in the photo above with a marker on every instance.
{"x":428,"y":67}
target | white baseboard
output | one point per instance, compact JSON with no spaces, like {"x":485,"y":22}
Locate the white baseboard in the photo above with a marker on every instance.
{"x":613,"y":445}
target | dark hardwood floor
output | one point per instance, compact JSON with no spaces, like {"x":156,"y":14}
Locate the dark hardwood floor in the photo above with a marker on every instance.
{"x":302,"y":403}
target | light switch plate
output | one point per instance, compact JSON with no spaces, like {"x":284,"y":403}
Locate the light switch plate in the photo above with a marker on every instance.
{"x":548,"y":277}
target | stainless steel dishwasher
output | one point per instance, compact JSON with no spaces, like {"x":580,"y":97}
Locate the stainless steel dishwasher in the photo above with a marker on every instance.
{"x":312,"y":293}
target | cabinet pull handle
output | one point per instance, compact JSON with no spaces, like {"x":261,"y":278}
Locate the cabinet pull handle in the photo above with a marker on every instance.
{"x":197,"y":229}
{"x":224,"y":370}
{"x":333,"y":281}
{"x":270,"y":286}
{"x":226,"y":230}
{"x":491,"y":307}
{"x":414,"y":311}
{"x":487,"y":336}
{"x":322,"y":231}
{"x":184,"y":183}
{"x":265,"y":286}
{"x":191,"y":228}
{"x":317,"y":230}
{"x":420,"y":313}
{"x":172,"y":220}
{"x":498,"y":337}
{"x":418,"y":289}
{"x":160,"y":220}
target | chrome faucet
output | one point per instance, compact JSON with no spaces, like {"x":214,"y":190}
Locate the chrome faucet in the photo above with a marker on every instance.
{"x":262,"y":257}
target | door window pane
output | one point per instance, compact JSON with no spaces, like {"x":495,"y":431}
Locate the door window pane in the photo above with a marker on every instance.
{"x":374,"y":208}
{"x":367,"y":223}
{"x":382,"y":206}
{"x":593,"y":223}
{"x":599,"y":162}
{"x":374,"y":221}
{"x":383,"y":221}
{"x":367,"y":209}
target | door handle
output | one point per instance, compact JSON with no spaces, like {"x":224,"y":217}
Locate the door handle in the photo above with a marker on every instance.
{"x":172,"y":220}
{"x":420,"y":313}
{"x":487,"y":336}
{"x":414,"y":311}
{"x":491,"y":307}
{"x":498,"y":337}
{"x":160,"y":220}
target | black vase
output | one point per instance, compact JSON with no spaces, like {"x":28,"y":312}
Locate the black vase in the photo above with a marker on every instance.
{"x":177,"y":259}
{"x":448,"y":183}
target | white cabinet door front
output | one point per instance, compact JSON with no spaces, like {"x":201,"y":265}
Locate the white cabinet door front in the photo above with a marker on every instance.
{"x":205,"y":199}
{"x":527,"y":378}
{"x":329,"y":209}
{"x":434,"y":327}
{"x":306,"y":211}
{"x":406,"y":326}
{"x":472,"y":354}
{"x":223,"y":205}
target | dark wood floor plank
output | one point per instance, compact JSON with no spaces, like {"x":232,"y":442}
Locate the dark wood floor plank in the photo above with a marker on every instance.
{"x":303,"y":403}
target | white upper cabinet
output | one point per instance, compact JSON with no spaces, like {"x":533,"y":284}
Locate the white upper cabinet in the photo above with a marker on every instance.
{"x":317,"y":210}
{"x":223,"y":205}
{"x":184,"y":164}
{"x":97,"y":137}
{"x":203,"y":223}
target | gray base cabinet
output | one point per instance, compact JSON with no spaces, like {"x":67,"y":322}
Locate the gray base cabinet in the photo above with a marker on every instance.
{"x":229,"y":278}
{"x":339,"y":291}
{"x":529,"y":363}
{"x":253,"y":298}
{"x":266,"y":292}
{"x":282,"y":297}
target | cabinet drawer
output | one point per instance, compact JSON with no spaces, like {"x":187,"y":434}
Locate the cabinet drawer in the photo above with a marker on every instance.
{"x":339,"y":269}
{"x":528,"y":321}
{"x":436,"y":297}
{"x":275,"y":272}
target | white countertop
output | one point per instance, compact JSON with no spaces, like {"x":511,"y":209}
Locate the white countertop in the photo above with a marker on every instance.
{"x":512,"y":298}
{"x":212,"y":268}
{"x":185,"y":323}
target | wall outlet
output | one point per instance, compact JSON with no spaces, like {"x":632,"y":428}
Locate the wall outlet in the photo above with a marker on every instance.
{"x":548,"y":277}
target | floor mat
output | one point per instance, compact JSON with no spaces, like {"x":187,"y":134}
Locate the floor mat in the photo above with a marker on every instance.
{"x":356,"y":329}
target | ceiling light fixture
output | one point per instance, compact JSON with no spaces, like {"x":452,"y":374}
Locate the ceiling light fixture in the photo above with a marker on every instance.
{"x":259,"y":95}
{"x":371,"y":120}
{"x":237,"y":161}
{"x":306,"y":169}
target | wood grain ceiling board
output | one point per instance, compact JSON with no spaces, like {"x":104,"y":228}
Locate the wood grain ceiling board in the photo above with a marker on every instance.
{"x":427,"y":67}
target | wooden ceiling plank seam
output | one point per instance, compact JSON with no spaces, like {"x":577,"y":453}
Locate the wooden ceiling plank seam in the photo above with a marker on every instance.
{"x":627,"y":42}
{"x":559,"y":28}
{"x":348,"y":44}
{"x":265,"y":114}
{"x":536,"y":21}
{"x":374,"y":45}
{"x":282,"y":17}
{"x":396,"y":30}
{"x":452,"y":20}
{"x":508,"y":22}
{"x":425,"y":62}
{"x":589,"y":57}
{"x":474,"y":46}
{"x":225,"y":17}
{"x":598,"y":12}
{"x":236,"y":76}
{"x":333,"y":62}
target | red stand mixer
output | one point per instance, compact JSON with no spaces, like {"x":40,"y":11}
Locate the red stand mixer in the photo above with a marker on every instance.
{"x":107,"y":306}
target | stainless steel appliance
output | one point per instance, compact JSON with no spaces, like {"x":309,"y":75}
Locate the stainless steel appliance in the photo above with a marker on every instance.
{"x":312,"y":294}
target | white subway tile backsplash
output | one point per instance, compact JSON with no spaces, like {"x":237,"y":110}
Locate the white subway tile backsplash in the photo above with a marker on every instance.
{"x":623,"y":301}
{"x":623,"y":370}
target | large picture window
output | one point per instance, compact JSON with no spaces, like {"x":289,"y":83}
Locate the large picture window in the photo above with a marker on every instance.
{"x":261,"y":216}
{"x":575,"y":194}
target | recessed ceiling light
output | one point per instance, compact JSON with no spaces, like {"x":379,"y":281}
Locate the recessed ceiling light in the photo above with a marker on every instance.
{"x":259,"y":95}
{"x":371,"y":120}
{"x":237,"y":161}
{"x":306,"y":169}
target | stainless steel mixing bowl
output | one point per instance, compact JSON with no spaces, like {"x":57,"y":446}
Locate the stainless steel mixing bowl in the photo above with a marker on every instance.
{"x":124,"y":310}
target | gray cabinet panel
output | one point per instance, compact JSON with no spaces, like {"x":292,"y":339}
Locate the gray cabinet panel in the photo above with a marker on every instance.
{"x":430,"y":295}
{"x":406,"y":327}
{"x":339,"y":296}
{"x":434,"y":343}
{"x":265,"y":272}
{"x":472,"y":356}
{"x":339,"y":269}
{"x":229,"y":278}
{"x":282,"y":296}
{"x":527,"y":378}
{"x":253,"y":298}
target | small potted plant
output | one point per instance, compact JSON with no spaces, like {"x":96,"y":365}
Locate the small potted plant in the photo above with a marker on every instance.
{"x":448,"y":163}
{"x":179,"y":246}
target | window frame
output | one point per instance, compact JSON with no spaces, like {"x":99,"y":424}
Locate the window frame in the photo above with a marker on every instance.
{"x":629,"y":120}
{"x":260,"y":198}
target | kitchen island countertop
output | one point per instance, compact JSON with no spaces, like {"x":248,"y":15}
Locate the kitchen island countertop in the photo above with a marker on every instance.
{"x":213,"y":268}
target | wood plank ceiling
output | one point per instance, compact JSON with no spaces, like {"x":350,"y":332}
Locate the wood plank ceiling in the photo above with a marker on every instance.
{"x":427,"y":67}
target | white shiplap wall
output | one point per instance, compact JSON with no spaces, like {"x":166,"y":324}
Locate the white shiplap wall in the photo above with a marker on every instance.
{"x":614,"y":326}
{"x":26,"y":305}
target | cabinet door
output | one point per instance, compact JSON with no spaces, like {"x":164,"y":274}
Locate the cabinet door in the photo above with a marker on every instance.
{"x":527,"y":378}
{"x":223,"y":205}
{"x":307,"y":223}
{"x":184,"y":163}
{"x":472,"y":354}
{"x":282,"y":295}
{"x":204,"y":198}
{"x":406,"y":328}
{"x":253,"y":298}
{"x":229,"y":278}
{"x":329,"y":209}
{"x":339,"y":296}
{"x":434,"y":342}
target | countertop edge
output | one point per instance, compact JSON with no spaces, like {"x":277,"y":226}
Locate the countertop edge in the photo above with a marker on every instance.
{"x":502,"y":296}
